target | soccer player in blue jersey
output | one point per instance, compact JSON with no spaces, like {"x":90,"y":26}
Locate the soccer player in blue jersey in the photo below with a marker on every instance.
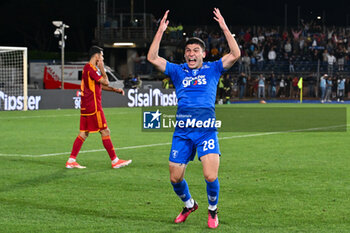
{"x":196,"y":84}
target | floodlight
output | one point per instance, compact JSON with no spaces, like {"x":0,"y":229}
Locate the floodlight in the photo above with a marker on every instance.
{"x":57,"y":23}
{"x":60,"y":26}
{"x":124,"y":44}
{"x":57,"y":32}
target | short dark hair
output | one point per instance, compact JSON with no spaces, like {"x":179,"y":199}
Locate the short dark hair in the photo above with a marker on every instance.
{"x":94,"y":49}
{"x":196,"y":40}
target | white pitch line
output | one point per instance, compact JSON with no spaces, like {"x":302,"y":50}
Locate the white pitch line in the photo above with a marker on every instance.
{"x":41,"y":116}
{"x":169,"y":143}
{"x":52,"y":116}
{"x":287,"y":131}
{"x":84,"y":151}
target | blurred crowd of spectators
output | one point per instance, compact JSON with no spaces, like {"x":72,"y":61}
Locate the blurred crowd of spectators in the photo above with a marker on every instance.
{"x":272,"y":61}
{"x":271,"y":85}
{"x":133,"y":81}
{"x":264,"y":48}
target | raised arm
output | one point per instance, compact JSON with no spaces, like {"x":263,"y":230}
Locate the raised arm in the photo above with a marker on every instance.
{"x":104,"y":80}
{"x":153,"y":56}
{"x":229,"y":59}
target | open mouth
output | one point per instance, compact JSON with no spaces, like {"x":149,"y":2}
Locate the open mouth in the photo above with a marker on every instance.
{"x":192,"y":61}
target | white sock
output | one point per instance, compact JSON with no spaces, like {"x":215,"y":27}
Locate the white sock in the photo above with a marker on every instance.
{"x":212,"y":207}
{"x":189,"y":203}
{"x":70,"y":160}
{"x":115,"y":160}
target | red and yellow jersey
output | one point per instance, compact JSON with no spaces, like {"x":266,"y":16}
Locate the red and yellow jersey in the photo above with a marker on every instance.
{"x":90,"y":90}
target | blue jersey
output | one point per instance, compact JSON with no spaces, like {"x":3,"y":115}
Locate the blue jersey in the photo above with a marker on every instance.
{"x":195,"y":88}
{"x":196,"y":93}
{"x":341,"y":84}
{"x":329,"y":84}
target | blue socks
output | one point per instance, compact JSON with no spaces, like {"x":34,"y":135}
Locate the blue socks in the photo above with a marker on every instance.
{"x":181,"y":189}
{"x":213,"y":192}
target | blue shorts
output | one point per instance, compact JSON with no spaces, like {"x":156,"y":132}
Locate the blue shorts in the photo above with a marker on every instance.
{"x":184,"y":146}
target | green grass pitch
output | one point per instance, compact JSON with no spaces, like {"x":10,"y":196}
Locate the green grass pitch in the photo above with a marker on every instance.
{"x":283,"y":182}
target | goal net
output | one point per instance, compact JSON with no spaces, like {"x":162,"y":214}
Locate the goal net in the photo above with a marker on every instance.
{"x":13,"y":78}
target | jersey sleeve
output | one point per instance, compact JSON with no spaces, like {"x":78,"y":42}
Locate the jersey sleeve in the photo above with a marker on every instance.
{"x":171,"y":70}
{"x":219,"y":66}
{"x":94,"y":74}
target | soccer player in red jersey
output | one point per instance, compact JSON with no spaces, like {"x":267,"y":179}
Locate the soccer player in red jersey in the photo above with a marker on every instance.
{"x":92,"y":119}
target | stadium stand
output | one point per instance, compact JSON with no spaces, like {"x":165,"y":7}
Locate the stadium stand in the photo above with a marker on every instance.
{"x":308,"y":51}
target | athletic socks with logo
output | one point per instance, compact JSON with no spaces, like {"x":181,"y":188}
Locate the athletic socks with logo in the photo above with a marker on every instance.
{"x":76,"y":147}
{"x":107,"y":143}
{"x":213,"y":192}
{"x":181,"y":189}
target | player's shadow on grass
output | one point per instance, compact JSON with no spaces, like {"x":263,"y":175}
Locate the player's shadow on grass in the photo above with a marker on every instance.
{"x":27,"y":161}
{"x":114,"y":213}
{"x":62,"y":173}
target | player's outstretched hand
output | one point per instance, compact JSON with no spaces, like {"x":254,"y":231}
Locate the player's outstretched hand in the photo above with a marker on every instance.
{"x":120,"y":91}
{"x":218,"y":17}
{"x":164,"y":22}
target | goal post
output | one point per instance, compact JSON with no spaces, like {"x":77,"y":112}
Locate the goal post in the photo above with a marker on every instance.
{"x":13,"y":78}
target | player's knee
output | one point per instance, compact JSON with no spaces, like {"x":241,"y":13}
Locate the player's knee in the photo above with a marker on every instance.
{"x":84,"y":135}
{"x":175,"y":179}
{"x":210,"y":177}
{"x":105,"y":132}
{"x":108,"y":131}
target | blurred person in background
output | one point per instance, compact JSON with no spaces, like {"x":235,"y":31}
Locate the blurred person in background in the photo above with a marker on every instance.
{"x":323,"y":84}
{"x":341,"y":89}
{"x":261,"y":87}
